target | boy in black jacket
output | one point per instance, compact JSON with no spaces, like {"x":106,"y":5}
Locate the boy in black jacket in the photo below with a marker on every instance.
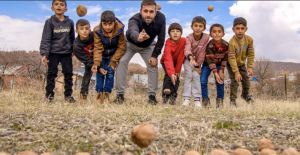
{"x":57,"y":46}
{"x":83,"y":49}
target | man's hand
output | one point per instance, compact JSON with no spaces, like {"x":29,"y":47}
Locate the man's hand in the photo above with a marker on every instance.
{"x":192,"y":61}
{"x":94,"y":68}
{"x":238,"y":77}
{"x":143,"y":36}
{"x":197,"y":70}
{"x":174,"y":78}
{"x":102,"y":71}
{"x":250,"y":71}
{"x":218,"y":78}
{"x":221,"y":74}
{"x":72,"y":54}
{"x":44,"y":60}
{"x":153,"y":61}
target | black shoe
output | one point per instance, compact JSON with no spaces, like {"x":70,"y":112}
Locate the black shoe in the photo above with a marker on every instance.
{"x":205,"y":102}
{"x":70,"y":99}
{"x":219,"y":103}
{"x":49,"y":99}
{"x":152,"y":100}
{"x":119,"y":99}
{"x":233,"y":102}
{"x":165,"y":99}
{"x":247,"y":98}
{"x":173,"y":100}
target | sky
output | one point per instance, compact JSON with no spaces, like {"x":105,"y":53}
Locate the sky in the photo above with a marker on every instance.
{"x":273,"y":25}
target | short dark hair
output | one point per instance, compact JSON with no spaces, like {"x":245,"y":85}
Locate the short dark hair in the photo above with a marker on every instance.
{"x":199,"y":19}
{"x":108,"y":16}
{"x":148,"y":2}
{"x":175,"y":26}
{"x":216,"y":25}
{"x":60,"y":1}
{"x":239,"y":20}
{"x":82,"y":22}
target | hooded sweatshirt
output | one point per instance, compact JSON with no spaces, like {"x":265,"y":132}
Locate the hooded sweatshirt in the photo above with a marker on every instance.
{"x":83,"y":50}
{"x":173,"y":56}
{"x":58,"y":36}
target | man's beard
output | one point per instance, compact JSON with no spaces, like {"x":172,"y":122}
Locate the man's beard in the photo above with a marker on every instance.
{"x":145,"y":19}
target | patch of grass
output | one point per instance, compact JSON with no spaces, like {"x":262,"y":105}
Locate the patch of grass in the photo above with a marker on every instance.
{"x":225,"y":125}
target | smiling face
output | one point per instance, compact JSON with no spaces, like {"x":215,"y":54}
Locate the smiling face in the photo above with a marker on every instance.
{"x":175,"y":35}
{"x":198,"y":28}
{"x":148,"y":13}
{"x":59,"y":7}
{"x":83,"y":31}
{"x":239,"y":30}
{"x":217,"y":34}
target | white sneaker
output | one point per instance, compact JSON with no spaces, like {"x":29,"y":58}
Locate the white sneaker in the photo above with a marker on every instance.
{"x":198,"y":104}
{"x":186,"y":103}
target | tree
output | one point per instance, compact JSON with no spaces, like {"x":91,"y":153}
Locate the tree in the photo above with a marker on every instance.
{"x":263,"y":71}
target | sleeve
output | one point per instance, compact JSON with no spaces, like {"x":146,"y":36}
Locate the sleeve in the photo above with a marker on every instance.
{"x":168,"y":61}
{"x":160,"y":41}
{"x":251,"y":55}
{"x":46,"y":39}
{"x":82,"y":56}
{"x":72,"y":33}
{"x":210,"y":59}
{"x":188,"y":47}
{"x":133,"y":30}
{"x":232,"y":59}
{"x":180,"y":61}
{"x":224,"y":61}
{"x":98,"y":49}
{"x":120,"y":50}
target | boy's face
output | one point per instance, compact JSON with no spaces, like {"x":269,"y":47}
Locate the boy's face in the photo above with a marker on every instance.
{"x":175,"y":35}
{"x":198,"y":28}
{"x":148,"y":13}
{"x":108,"y":26}
{"x":217,"y":33}
{"x":59,"y":7}
{"x":83,"y":31}
{"x":239,"y":30}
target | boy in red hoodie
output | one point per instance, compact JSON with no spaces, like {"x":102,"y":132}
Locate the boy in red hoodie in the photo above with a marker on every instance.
{"x":172,"y":61}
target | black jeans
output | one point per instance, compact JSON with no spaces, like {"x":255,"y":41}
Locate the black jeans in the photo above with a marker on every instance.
{"x":167,"y":84}
{"x":86,"y":80}
{"x":67,"y":70}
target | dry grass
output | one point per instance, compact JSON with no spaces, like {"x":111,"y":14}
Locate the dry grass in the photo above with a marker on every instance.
{"x":70,"y":128}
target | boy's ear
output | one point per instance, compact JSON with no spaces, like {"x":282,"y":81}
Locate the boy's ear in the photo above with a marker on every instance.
{"x":66,"y":9}
{"x":223,"y":34}
{"x":210,"y":34}
{"x":76,"y":31}
{"x":233,"y":29}
{"x":246,"y":29}
{"x":52,"y":8}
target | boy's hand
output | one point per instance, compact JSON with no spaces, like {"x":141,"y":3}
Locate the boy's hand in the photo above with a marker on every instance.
{"x":102,"y":71}
{"x":94,"y":68}
{"x":218,"y":78}
{"x":153,"y":62}
{"x":44,"y":60}
{"x":177,"y":74}
{"x":238,"y":77}
{"x":197,"y":70}
{"x":112,"y":67}
{"x":72,"y":54}
{"x":143,"y":36}
{"x":250,"y":71}
{"x":173,"y":78}
{"x":192,"y":61}
{"x":221,"y":74}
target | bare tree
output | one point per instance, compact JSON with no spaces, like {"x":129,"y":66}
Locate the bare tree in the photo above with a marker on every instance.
{"x":263,"y":71}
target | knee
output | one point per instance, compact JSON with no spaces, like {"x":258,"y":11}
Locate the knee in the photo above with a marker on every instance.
{"x":188,"y":77}
{"x":196,"y":76}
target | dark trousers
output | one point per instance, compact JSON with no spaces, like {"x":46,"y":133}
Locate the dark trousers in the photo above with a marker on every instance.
{"x":86,"y":80}
{"x":234,"y":85}
{"x":167,"y":84}
{"x":67,"y":70}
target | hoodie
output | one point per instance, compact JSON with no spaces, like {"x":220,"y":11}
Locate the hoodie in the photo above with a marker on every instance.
{"x":83,"y":50}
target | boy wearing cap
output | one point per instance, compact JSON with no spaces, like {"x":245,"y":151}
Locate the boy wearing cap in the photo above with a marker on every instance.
{"x":172,"y":61}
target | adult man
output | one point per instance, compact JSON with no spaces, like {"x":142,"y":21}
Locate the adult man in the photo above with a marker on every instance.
{"x":143,"y":27}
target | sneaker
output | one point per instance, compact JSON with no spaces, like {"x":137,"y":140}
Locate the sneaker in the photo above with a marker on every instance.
{"x":70,"y":99}
{"x":186,"y":102}
{"x":173,"y":100}
{"x":83,"y":97}
{"x":99,"y":98}
{"x":167,"y":91}
{"x":198,"y":104}
{"x":49,"y":99}
{"x":206,"y":102}
{"x":233,"y":102}
{"x":219,"y":103}
{"x":152,"y":100}
{"x":106,"y":97}
{"x":119,"y":99}
{"x":165,"y":99}
{"x":247,"y":98}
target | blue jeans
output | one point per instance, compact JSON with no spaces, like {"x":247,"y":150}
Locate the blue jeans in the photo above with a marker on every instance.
{"x":105,"y":83}
{"x":204,"y":80}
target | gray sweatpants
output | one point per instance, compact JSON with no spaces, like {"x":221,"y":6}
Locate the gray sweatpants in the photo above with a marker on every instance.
{"x":192,"y":86}
{"x":121,"y":71}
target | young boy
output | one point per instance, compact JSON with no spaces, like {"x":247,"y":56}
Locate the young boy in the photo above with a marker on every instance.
{"x":215,"y":61}
{"x":172,"y":61}
{"x":240,"y":48}
{"x":195,"y":53}
{"x":57,"y":46}
{"x":109,"y":47}
{"x":83,"y":49}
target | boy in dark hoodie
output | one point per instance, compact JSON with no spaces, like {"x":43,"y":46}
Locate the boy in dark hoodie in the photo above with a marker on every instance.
{"x":83,"y":49}
{"x":109,"y":47}
{"x":57,"y":46}
{"x":172,"y":61}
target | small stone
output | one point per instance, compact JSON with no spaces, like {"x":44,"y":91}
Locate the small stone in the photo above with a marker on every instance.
{"x":240,"y":151}
{"x":265,"y":144}
{"x":259,"y":126}
{"x":268,"y":152}
{"x":6,"y":133}
{"x":234,"y":146}
{"x":290,"y":151}
{"x":218,"y":152}
{"x":285,"y":132}
{"x":27,"y":153}
{"x":192,"y":153}
{"x":143,"y":135}
{"x":95,"y":132}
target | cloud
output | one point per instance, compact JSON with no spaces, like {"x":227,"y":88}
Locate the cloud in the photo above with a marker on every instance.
{"x":273,"y":27}
{"x":174,"y":2}
{"x":44,"y":7}
{"x":94,"y":10}
{"x":173,"y":20}
{"x":117,"y":10}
